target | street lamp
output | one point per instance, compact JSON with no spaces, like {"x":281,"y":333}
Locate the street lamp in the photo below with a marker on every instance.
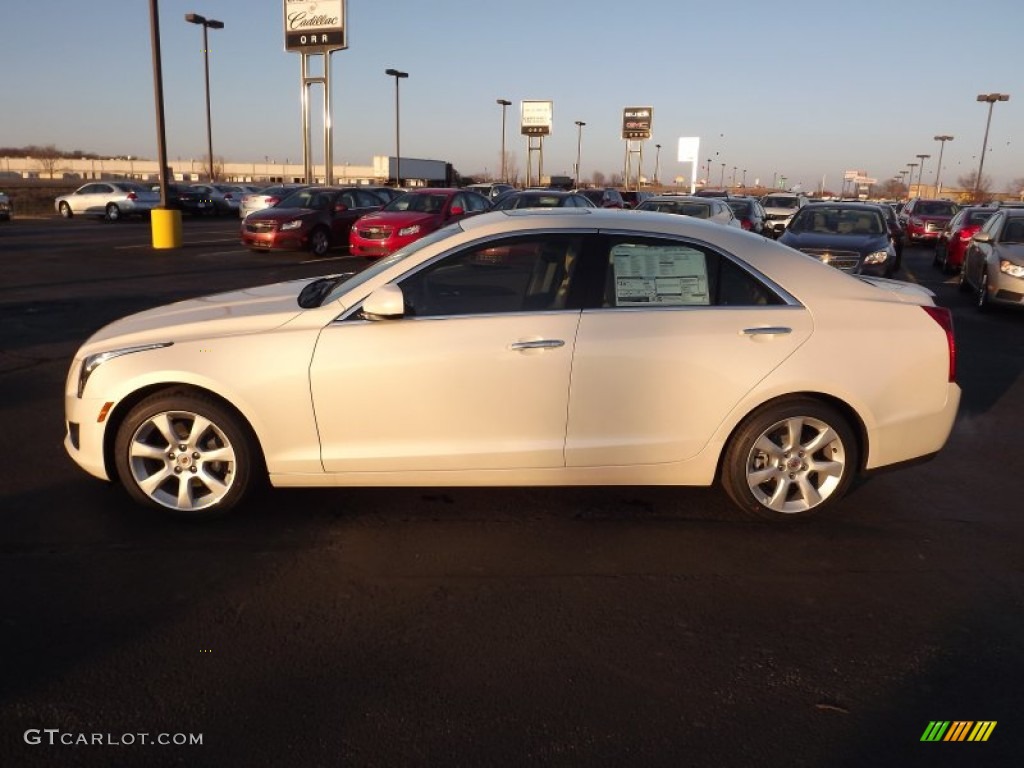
{"x":195,"y":18}
{"x":744,"y":179}
{"x":903,"y":180}
{"x":721,"y":181}
{"x":991,"y":98}
{"x":707,"y":183}
{"x":398,"y":147}
{"x":920,"y":174}
{"x":938,"y":173}
{"x":657,"y":163}
{"x":505,"y":104}
{"x":912,"y":166}
{"x":579,"y":145}
{"x":734,"y":177}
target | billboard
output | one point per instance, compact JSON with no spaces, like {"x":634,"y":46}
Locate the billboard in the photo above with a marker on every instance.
{"x":315,"y":26}
{"x":536,"y":118}
{"x":636,"y":123}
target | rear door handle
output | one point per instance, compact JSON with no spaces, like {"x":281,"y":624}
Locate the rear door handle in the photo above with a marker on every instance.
{"x":774,"y":330}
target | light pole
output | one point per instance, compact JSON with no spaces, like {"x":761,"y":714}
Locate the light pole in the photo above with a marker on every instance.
{"x":734,"y":177}
{"x":657,"y":163}
{"x":721,"y":181}
{"x":920,"y":174}
{"x":912,"y":166}
{"x":398,"y":125}
{"x":195,"y":18}
{"x":707,"y":183}
{"x":579,"y":145}
{"x":744,"y":179}
{"x":938,"y":171}
{"x":505,"y":104}
{"x":991,"y":98}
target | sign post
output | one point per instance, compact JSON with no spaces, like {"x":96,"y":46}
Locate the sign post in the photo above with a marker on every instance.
{"x":636,"y":129}
{"x":316,"y":29}
{"x":535,"y":124}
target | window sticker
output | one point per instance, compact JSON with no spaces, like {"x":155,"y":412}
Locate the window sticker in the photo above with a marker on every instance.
{"x":670,"y":275}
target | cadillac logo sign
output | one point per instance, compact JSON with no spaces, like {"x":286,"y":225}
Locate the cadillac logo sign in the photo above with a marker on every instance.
{"x":314,"y":26}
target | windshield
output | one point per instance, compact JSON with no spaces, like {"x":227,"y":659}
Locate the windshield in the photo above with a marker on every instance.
{"x":681,"y":207}
{"x":417,"y":203}
{"x":303,"y":198}
{"x":780,"y":202}
{"x":827,"y":220}
{"x":389,"y":261}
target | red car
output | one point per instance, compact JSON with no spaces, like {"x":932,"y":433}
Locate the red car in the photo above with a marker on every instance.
{"x":954,"y":239}
{"x":313,"y":219}
{"x":410,"y":217}
{"x":924,"y":219}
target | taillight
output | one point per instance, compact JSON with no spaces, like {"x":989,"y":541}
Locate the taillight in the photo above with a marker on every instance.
{"x":132,"y":196}
{"x":916,"y":222}
{"x":272,"y":201}
{"x":968,"y":233}
{"x":745,"y":223}
{"x":944,"y":318}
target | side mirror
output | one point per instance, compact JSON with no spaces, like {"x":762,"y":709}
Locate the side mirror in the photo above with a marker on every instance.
{"x":385,"y":303}
{"x":982,"y":237}
{"x":457,"y":210}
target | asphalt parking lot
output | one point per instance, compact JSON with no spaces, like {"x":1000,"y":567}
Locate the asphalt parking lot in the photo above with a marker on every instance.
{"x":621,"y":626}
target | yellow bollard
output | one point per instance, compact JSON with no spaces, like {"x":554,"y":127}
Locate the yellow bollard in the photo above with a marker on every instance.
{"x":166,"y":225}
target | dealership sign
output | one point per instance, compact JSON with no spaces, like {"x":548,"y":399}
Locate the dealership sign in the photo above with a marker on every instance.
{"x":636,"y":122}
{"x":536,"y":118}
{"x":314,"y":26}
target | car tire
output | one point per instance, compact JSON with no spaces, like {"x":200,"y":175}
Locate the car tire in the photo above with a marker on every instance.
{"x":185,"y":454}
{"x":112,"y":213}
{"x":936,"y":259}
{"x":65,"y":210}
{"x":962,"y":284}
{"x":790,"y":460}
{"x":319,"y":242}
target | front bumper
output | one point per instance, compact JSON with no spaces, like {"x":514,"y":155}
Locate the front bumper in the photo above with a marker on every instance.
{"x":84,"y":433}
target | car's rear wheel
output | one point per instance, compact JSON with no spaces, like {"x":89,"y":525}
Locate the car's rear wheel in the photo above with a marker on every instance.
{"x":113,"y":213}
{"x":790,"y":460}
{"x":65,"y":209}
{"x":319,"y":242}
{"x":185,"y":454}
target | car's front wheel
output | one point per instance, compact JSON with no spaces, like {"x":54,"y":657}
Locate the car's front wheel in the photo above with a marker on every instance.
{"x":186,"y":454}
{"x":65,"y":209}
{"x":790,"y":460}
{"x":981,"y":296}
{"x":319,"y":242}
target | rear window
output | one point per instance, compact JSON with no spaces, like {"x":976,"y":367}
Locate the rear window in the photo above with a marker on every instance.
{"x":978,"y":217}
{"x":780,"y":202}
{"x":936,"y":208}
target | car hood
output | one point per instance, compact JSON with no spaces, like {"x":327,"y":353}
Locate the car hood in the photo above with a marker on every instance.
{"x":225,"y":314}
{"x":281,"y":214}
{"x":397,"y":219}
{"x":860,"y":243}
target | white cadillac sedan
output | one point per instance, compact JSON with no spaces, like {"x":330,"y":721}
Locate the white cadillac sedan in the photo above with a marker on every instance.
{"x":527,"y":347}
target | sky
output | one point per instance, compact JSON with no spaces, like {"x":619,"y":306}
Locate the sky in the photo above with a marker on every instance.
{"x":804,"y":90}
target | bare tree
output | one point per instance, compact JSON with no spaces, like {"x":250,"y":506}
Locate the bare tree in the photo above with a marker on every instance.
{"x":974,"y":191}
{"x":891,"y":188}
{"x":1016,"y":187}
{"x":598,"y":179}
{"x":512,"y":168}
{"x":616,"y":180}
{"x":49,"y":159}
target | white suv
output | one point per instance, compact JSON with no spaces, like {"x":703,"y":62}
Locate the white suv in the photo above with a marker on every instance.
{"x":779,"y":208}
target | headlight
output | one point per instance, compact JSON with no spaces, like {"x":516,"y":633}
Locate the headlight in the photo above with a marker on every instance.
{"x":92,"y":362}
{"x":1010,"y":268}
{"x":413,"y":230}
{"x":878,"y":257}
{"x":295,"y":224}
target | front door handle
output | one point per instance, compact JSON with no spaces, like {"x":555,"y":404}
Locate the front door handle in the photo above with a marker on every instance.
{"x":537,"y":344}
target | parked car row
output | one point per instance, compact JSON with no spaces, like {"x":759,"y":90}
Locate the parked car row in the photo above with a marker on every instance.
{"x":114,"y":200}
